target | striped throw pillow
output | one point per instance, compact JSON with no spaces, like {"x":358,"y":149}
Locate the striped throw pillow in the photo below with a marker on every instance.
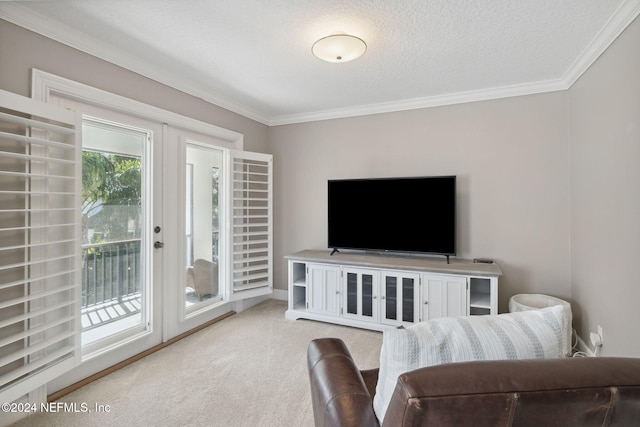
{"x":543,"y":333}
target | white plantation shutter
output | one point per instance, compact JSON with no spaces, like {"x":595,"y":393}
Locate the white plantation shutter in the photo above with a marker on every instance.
{"x":251,"y":224}
{"x":40,"y":185}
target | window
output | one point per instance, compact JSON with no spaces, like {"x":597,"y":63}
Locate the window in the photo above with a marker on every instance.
{"x":115,"y":189}
{"x":203,"y":202}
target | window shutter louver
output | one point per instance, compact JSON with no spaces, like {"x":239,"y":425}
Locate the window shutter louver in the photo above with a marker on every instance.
{"x":251,"y":224}
{"x":40,"y":185}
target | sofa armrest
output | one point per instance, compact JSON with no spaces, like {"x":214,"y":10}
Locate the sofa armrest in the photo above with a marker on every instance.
{"x":565,"y":391}
{"x":338,"y":391}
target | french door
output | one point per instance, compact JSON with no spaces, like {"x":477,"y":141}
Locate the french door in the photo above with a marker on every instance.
{"x":118,"y":217}
{"x":219,"y":226}
{"x":196,"y":228}
{"x":181,"y":234}
{"x":121,"y":311}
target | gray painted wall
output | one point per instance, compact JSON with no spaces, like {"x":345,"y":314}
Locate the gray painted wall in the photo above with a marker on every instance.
{"x":510,"y":156}
{"x":605,"y":195}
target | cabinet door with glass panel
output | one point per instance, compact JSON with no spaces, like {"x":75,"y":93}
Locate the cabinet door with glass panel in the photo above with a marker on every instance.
{"x":360,"y":294}
{"x":399,"y":297}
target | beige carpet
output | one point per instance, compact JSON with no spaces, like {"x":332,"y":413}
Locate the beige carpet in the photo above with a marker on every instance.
{"x":248,"y":370}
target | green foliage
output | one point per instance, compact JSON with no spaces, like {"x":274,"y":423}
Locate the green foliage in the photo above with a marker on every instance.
{"x":111,"y":196}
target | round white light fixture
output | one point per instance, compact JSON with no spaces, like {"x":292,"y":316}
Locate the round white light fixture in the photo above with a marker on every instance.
{"x":339,"y":48}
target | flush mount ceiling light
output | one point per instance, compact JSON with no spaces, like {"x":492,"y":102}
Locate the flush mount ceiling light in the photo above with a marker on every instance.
{"x":339,"y":48}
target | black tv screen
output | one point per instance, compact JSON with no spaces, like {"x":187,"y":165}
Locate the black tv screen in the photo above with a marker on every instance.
{"x":393,"y":214}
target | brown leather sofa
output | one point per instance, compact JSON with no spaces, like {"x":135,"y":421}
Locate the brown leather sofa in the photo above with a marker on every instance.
{"x":593,"y":391}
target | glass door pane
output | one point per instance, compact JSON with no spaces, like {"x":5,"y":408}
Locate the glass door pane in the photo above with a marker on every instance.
{"x":114,"y":257}
{"x":352,"y":293}
{"x":408,"y":299}
{"x":391,"y":298}
{"x":367,"y":295}
{"x":203,"y":219}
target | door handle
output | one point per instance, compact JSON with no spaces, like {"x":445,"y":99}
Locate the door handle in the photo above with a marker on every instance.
{"x":158,"y":245}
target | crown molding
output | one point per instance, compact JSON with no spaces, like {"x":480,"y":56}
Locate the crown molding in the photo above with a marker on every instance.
{"x":426,"y":102}
{"x":40,"y":24}
{"x":617,"y":23}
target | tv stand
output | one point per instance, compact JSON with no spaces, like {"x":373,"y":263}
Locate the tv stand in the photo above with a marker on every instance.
{"x":375,"y":291}
{"x":334,"y":251}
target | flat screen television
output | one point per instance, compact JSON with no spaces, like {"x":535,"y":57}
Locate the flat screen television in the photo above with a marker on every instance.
{"x":415,"y":214}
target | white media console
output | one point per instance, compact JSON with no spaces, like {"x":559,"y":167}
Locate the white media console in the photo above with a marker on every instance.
{"x":374,"y":291}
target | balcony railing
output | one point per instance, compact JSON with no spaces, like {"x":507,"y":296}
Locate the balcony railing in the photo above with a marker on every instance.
{"x":110,"y":272}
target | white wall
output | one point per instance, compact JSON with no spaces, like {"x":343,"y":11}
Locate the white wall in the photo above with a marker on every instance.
{"x":510,"y":157}
{"x":605,"y":195}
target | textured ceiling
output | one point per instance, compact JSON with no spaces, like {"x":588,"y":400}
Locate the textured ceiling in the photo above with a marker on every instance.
{"x":254,"y":56}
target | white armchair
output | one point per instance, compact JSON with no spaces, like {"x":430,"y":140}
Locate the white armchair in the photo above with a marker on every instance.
{"x":202,"y":277}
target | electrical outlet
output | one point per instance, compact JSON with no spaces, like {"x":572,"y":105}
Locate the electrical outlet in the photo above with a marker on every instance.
{"x":601,"y":335}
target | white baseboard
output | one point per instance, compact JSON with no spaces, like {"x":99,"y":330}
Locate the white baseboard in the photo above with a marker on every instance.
{"x":244,"y":304}
{"x":280,"y":294}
